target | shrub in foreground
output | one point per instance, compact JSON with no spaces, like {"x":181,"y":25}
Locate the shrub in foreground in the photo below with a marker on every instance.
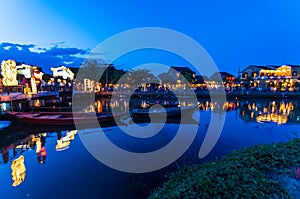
{"x":254,"y":172}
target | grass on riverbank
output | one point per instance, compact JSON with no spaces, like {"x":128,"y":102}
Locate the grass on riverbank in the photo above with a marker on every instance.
{"x":262,"y":171}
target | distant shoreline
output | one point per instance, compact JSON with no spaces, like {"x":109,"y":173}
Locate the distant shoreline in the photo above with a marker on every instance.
{"x":206,"y":94}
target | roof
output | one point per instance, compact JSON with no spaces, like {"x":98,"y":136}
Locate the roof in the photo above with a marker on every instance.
{"x":292,"y":66}
{"x":260,"y":67}
{"x":218,"y":75}
{"x":273,"y":67}
{"x":226,"y":74}
{"x":182,"y":69}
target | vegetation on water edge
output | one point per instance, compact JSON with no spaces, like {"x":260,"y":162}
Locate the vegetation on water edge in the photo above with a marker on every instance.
{"x":261,"y":171}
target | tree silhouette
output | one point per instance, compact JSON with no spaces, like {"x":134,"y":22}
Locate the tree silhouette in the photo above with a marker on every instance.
{"x":166,"y":78}
{"x":138,"y":77}
{"x":92,"y":70}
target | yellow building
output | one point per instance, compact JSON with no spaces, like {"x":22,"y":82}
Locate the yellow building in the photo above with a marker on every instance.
{"x":274,"y":78}
{"x":282,"y":71}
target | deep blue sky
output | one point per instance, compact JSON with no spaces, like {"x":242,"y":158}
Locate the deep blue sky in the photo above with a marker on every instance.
{"x":234,"y":33}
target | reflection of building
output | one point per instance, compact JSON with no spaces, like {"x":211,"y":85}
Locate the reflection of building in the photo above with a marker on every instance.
{"x":64,"y":142}
{"x":279,"y":119}
{"x":277,"y":112}
{"x":215,"y":106}
{"x":18,"y":171}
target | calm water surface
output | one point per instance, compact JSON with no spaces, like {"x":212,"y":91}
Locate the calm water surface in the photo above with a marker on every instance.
{"x":67,"y":170}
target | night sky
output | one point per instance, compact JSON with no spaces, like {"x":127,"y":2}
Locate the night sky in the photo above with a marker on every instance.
{"x":234,"y":33}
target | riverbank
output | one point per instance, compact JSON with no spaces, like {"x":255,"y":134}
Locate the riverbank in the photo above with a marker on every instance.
{"x":202,"y":94}
{"x":261,"y":171}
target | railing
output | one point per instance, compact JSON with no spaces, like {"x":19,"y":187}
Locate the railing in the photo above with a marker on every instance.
{"x":53,"y":109}
{"x":6,"y":89}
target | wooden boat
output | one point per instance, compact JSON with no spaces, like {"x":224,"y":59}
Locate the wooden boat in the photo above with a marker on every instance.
{"x":159,"y":112}
{"x":63,"y":118}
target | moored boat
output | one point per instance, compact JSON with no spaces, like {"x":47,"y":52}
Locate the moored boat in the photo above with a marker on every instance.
{"x":63,"y":118}
{"x":161,"y":111}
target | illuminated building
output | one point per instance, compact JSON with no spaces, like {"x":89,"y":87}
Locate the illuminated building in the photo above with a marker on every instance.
{"x":200,"y":81}
{"x":181,"y":76}
{"x":219,"y":79}
{"x":252,"y":71}
{"x":63,"y":72}
{"x":9,"y":73}
{"x":35,"y":75}
{"x":276,"y":78}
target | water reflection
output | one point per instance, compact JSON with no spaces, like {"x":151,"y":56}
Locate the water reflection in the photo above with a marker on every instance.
{"x":19,"y":143}
{"x":258,"y":110}
{"x":63,"y":142}
{"x":40,"y":147}
{"x":30,"y":155}
{"x":261,"y":111}
{"x":18,"y":171}
{"x":216,"y":106}
{"x":280,"y":112}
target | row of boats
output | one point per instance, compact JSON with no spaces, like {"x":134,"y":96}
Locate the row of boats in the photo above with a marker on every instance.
{"x":68,"y":118}
{"x":61,"y":118}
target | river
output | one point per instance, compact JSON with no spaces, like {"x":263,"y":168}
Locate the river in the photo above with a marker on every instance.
{"x":68,"y":170}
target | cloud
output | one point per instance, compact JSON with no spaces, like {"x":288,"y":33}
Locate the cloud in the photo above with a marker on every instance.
{"x":65,"y":51}
{"x":46,"y":57}
{"x":5,"y":44}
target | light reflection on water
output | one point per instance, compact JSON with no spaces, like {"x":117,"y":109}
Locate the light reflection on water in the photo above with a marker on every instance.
{"x":56,"y":164}
{"x":277,"y":111}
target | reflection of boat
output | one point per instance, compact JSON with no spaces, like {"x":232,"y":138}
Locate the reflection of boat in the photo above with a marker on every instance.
{"x":63,"y":118}
{"x":4,"y":124}
{"x":160,"y":111}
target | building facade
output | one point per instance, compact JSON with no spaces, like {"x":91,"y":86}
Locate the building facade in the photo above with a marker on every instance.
{"x":275,"y":78}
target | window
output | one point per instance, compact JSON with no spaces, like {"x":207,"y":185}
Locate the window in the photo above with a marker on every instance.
{"x":294,"y":73}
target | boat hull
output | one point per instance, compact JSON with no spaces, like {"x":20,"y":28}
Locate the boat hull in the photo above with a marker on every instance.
{"x":62,"y":119}
{"x":170,"y":112}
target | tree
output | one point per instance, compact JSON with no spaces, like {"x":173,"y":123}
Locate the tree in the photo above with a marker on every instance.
{"x":166,"y":78}
{"x":111,"y":75}
{"x":138,"y":77}
{"x":92,"y":70}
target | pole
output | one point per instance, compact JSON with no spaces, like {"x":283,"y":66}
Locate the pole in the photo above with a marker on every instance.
{"x":11,"y":104}
{"x":106,"y":78}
